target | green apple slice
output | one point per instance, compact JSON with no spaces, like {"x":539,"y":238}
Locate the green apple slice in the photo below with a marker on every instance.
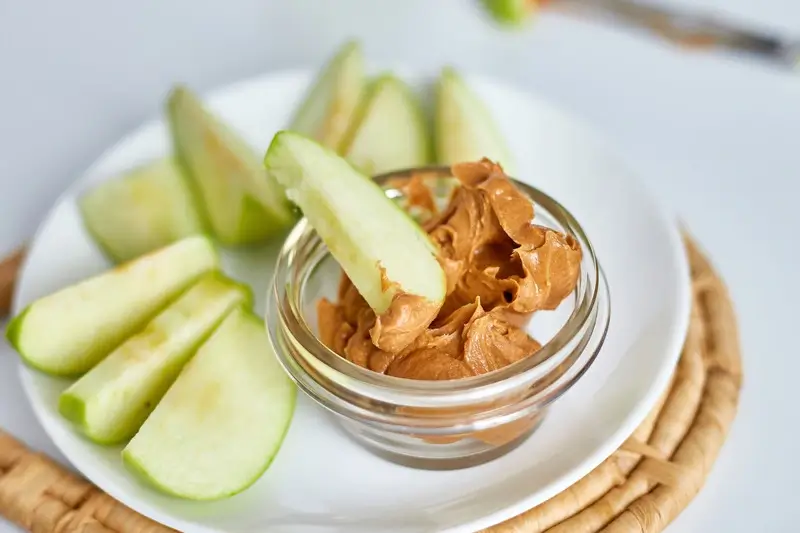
{"x":377,"y":244}
{"x":111,"y":401}
{"x":464,"y":128}
{"x":511,"y":12}
{"x":70,"y":331}
{"x":389,"y":132}
{"x":222,"y":422}
{"x":241,"y":202}
{"x":143,"y":210}
{"x":327,"y":109}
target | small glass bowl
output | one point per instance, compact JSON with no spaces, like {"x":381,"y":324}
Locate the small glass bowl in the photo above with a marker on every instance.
{"x":435,"y":424}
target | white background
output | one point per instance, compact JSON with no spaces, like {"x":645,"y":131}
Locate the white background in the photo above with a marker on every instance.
{"x":718,"y":139}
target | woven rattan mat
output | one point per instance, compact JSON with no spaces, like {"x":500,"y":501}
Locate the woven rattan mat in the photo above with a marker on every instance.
{"x":640,"y":488}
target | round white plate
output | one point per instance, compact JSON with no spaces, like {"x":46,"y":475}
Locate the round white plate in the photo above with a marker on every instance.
{"x":322,"y":481}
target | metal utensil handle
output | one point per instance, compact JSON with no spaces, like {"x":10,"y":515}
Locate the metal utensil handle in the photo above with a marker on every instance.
{"x":688,"y":28}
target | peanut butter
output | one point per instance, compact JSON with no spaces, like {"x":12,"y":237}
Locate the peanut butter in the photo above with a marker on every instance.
{"x":500,"y":268}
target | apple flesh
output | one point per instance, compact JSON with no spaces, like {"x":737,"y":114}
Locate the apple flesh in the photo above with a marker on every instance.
{"x":241,"y":203}
{"x":70,"y":331}
{"x":110,"y":402}
{"x":464,"y":129}
{"x":389,"y":131}
{"x":222,"y":422}
{"x":145,"y":209}
{"x":328,"y":108}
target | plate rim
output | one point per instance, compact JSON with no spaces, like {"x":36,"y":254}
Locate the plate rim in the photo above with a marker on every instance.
{"x":634,"y":418}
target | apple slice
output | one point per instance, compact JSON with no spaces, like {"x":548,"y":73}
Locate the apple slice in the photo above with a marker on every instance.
{"x":389,"y":131}
{"x":70,"y":331}
{"x":388,"y":257}
{"x":110,"y":402}
{"x":141,"y":211}
{"x":511,"y":12}
{"x":221,"y":423}
{"x":327,"y":109}
{"x":464,"y":128}
{"x":241,"y":202}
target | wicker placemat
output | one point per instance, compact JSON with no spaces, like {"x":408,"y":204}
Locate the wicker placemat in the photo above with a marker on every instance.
{"x":640,"y":488}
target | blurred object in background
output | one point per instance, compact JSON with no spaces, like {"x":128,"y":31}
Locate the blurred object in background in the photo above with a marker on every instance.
{"x":513,"y":13}
{"x":689,"y":29}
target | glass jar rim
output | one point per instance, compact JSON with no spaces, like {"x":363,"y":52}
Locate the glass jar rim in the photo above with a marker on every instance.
{"x":373,"y":384}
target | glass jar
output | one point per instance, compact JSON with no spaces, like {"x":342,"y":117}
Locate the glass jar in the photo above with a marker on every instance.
{"x":435,"y":424}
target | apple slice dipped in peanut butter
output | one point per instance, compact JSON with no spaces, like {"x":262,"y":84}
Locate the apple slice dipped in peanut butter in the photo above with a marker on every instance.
{"x":464,"y":129}
{"x":327,"y":109}
{"x":500,"y":268}
{"x":387,"y":256}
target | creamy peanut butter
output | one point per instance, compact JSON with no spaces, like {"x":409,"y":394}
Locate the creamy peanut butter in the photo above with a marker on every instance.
{"x":500,"y":269}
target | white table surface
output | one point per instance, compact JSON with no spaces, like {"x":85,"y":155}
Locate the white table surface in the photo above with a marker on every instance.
{"x":718,"y":139}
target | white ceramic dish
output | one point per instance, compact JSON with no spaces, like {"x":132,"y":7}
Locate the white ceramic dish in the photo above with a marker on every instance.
{"x":321,"y":481}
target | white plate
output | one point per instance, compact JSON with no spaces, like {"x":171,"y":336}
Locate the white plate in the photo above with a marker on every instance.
{"x":321,"y":480}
